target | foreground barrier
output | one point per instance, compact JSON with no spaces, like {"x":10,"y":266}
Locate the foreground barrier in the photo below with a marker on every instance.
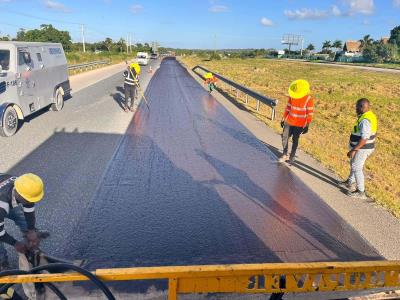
{"x":248,"y":278}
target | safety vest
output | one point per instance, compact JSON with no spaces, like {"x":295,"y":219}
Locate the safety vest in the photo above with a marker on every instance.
{"x":355,"y":136}
{"x":299,"y":112}
{"x":131,"y":77}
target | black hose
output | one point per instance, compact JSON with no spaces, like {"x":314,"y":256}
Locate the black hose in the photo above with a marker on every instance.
{"x":49,"y":267}
{"x":80,"y":270}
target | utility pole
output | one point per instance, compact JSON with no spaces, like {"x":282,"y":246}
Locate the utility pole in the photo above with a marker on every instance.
{"x":126,"y":42}
{"x":83,"y":38}
{"x":302,"y":46}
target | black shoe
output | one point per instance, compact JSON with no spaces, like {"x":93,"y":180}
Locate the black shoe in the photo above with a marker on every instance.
{"x":351,"y":186}
{"x":291,"y":160}
{"x":357,"y":194}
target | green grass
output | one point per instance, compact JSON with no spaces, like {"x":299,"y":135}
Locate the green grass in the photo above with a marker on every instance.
{"x":79,"y":57}
{"x":336,"y":90}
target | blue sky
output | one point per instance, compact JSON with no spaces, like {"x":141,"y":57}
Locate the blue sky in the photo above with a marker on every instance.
{"x":196,"y":23}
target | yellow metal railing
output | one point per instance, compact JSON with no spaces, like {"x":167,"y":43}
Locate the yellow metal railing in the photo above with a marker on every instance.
{"x":248,"y":278}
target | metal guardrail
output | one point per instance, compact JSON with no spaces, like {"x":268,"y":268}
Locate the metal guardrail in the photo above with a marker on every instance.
{"x":88,"y":65}
{"x":248,"y":92}
{"x":273,"y":278}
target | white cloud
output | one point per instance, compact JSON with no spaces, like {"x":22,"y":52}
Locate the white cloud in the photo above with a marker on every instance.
{"x":396,"y":3}
{"x":56,"y":6}
{"x":364,"y":7}
{"x":266,"y":22}
{"x":336,"y":11}
{"x":306,"y":14}
{"x":218,"y":8}
{"x":136,"y":8}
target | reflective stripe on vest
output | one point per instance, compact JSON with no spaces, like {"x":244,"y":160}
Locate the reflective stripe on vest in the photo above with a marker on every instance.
{"x":131,"y":79}
{"x":355,"y":136}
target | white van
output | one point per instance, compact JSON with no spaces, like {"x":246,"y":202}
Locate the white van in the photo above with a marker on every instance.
{"x":142,"y":58}
{"x":33,"y":76}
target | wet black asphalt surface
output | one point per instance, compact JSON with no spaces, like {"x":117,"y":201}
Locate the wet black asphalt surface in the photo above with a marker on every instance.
{"x":188,"y":184}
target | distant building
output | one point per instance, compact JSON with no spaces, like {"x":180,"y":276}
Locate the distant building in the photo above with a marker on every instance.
{"x":352,"y":48}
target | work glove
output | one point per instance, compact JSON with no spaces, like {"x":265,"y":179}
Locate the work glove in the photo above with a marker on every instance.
{"x":20,"y":247}
{"x":305,"y":130}
{"x":282,"y":123}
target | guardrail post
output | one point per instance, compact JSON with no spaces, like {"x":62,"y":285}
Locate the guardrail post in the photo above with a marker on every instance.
{"x":258,"y":105}
{"x":172,"y":289}
{"x":273,"y":114}
{"x":247,"y":99}
{"x":237,"y":94}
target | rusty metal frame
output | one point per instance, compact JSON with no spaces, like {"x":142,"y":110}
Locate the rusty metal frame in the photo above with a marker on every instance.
{"x":248,"y":278}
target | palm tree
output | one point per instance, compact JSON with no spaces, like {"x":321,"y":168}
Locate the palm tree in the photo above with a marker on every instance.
{"x":366,"y":41}
{"x":337,"y":44}
{"x":327,"y":46}
{"x":310,"y":47}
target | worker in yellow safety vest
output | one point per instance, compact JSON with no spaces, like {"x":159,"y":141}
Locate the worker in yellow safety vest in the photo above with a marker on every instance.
{"x":130,"y":85}
{"x":361,"y":144}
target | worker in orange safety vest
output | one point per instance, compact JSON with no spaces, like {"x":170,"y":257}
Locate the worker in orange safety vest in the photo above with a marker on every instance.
{"x":297,"y":117}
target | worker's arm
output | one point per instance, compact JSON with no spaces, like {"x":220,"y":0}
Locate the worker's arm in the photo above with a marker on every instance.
{"x":287,"y":110}
{"x":4,"y":236}
{"x":29,"y":212}
{"x":310,"y":111}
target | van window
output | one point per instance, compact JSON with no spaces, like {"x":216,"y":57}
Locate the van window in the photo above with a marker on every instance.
{"x":39,"y":56}
{"x":24,"y":58}
{"x":5,"y":59}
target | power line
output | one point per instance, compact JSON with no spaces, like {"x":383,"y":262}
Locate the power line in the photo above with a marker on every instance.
{"x":38,"y":18}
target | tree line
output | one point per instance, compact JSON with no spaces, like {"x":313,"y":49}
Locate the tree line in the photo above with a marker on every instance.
{"x":48,"y":33}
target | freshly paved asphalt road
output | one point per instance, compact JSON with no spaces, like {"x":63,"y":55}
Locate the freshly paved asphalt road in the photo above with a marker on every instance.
{"x":70,"y":150}
{"x":188,"y":184}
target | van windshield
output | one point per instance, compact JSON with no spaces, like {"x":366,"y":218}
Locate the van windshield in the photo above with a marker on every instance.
{"x":5,"y":59}
{"x":142,"y":56}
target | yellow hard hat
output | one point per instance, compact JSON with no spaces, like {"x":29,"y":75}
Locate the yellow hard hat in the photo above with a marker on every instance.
{"x":136,"y":67}
{"x":30,"y":187}
{"x":208,"y":75}
{"x":299,"y":88}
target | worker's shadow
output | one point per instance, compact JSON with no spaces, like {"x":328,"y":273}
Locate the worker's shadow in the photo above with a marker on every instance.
{"x":119,"y":97}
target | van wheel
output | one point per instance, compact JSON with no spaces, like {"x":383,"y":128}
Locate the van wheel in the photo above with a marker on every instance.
{"x":9,"y":122}
{"x":58,"y":101}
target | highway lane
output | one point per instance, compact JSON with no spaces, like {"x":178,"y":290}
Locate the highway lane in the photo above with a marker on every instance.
{"x":70,"y":150}
{"x":189,"y":184}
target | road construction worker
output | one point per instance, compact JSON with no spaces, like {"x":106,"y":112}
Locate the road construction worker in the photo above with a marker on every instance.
{"x":131,"y":84}
{"x":297,"y":117}
{"x":361,"y":145}
{"x":16,"y":193}
{"x":211,"y":80}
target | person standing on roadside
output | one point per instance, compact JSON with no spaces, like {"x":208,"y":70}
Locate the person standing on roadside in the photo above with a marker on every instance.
{"x":361,"y":144}
{"x":296,"y":118}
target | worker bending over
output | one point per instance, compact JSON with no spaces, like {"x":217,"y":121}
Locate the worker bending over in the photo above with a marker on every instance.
{"x":361,"y":144}
{"x":17,"y":192}
{"x":297,"y":117}
{"x":130,"y":85}
{"x":211,"y":80}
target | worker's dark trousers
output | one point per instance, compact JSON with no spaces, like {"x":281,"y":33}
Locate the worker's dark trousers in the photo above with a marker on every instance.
{"x":130,"y":92}
{"x":294,"y":132}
